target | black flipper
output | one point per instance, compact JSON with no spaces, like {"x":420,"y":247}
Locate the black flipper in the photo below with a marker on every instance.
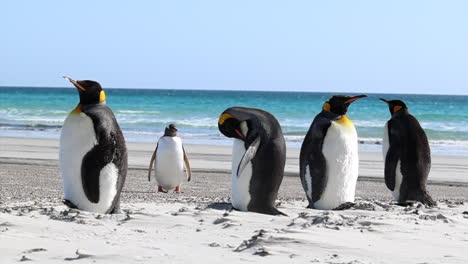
{"x":392,"y":157}
{"x":248,"y":155}
{"x":152,"y":161}
{"x":93,"y":162}
{"x":312,"y":156}
{"x":187,"y":165}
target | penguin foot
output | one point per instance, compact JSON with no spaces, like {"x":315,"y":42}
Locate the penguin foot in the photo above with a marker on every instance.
{"x":178,"y":190}
{"x":160,"y":189}
{"x":69,"y":204}
{"x":345,"y":206}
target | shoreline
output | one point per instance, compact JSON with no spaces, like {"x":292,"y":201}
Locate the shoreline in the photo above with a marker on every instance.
{"x":214,"y":158}
{"x":446,"y":148}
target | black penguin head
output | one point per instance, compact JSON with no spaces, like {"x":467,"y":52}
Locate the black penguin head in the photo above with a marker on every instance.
{"x":231,"y":126}
{"x":396,"y":106}
{"x":90,"y":91}
{"x":170,"y":131}
{"x":339,"y":104}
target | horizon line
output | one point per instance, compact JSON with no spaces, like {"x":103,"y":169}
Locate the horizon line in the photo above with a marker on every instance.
{"x":229,"y":90}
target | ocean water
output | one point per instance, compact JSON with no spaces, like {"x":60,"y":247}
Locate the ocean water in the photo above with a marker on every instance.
{"x":39,"y":113}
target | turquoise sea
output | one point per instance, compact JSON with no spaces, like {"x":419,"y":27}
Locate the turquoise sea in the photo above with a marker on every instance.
{"x":34,"y":112}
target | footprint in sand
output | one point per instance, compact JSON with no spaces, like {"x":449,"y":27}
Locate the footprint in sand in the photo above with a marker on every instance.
{"x":214,"y":244}
{"x":220,"y":220}
{"x":24,"y":258}
{"x":80,"y":254}
{"x":34,"y":250}
{"x":29,"y":251}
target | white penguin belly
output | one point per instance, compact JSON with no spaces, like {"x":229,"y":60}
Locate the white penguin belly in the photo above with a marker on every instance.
{"x":240,"y":185}
{"x":341,"y":154}
{"x":169,"y":163}
{"x":78,"y":138}
{"x":398,"y":180}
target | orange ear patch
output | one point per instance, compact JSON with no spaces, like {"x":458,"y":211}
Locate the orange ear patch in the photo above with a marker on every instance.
{"x":326,"y":107}
{"x":223,"y":118}
{"x":397,"y":108}
{"x":77,"y":110}
{"x":102,"y":96}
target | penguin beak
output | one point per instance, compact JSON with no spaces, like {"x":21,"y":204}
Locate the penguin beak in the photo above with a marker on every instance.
{"x":383,"y":100}
{"x":77,"y":85}
{"x":239,"y":133}
{"x":354,"y":98}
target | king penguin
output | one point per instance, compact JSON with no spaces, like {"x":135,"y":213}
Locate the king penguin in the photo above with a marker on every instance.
{"x":93,"y":155}
{"x":258,"y":158}
{"x":407,"y":156}
{"x":168,"y":159}
{"x":329,"y":156}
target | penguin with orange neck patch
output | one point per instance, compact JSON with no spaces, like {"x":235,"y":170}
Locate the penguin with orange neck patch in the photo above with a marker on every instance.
{"x":329,"y":160}
{"x":258,"y":158}
{"x":93,"y":155}
{"x":407,"y":156}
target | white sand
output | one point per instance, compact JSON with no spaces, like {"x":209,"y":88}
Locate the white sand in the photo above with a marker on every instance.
{"x":194,"y":230}
{"x":191,"y":233}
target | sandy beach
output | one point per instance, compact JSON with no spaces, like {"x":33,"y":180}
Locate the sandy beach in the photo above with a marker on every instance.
{"x":199,"y":226}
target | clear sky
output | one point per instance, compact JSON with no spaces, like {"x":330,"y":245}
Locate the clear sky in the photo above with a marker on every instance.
{"x":342,"y":46}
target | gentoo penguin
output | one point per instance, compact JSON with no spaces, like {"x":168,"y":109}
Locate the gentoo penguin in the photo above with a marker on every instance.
{"x":329,"y":156}
{"x":93,"y":156}
{"x":407,"y":156}
{"x":168,"y":158}
{"x":258,"y":158}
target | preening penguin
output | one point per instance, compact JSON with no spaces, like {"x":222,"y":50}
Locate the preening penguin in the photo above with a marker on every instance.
{"x":329,"y":160}
{"x":258,"y":158}
{"x":407,"y":156}
{"x":93,"y":155}
{"x":168,"y":159}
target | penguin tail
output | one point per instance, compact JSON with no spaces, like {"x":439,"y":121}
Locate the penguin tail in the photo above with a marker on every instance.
{"x":69,"y":204}
{"x":278,"y":212}
{"x":273,"y":211}
{"x":345,"y":206}
{"x":422,"y":197}
{"x":427,"y":200}
{"x":115,"y":210}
